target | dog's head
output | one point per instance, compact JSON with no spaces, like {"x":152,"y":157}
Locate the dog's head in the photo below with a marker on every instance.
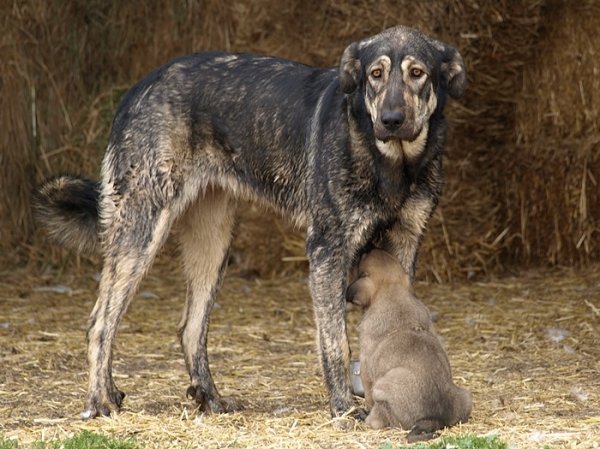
{"x":376,"y":270}
{"x":402,"y":74}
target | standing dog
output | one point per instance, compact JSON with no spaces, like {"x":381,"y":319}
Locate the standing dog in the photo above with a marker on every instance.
{"x":354,"y":152}
{"x":404,"y":369}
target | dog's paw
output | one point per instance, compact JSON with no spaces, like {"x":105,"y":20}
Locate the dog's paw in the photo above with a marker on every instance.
{"x":344,"y":423}
{"x":375,"y":422}
{"x":104,"y":405}
{"x":361,"y":414}
{"x":213,"y":403}
{"x":424,"y":430}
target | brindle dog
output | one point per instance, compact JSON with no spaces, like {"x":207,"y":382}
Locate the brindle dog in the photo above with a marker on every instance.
{"x":353,"y":152}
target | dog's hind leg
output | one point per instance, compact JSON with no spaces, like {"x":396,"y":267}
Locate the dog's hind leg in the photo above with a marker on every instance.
{"x":135,"y":229}
{"x":206,"y":232}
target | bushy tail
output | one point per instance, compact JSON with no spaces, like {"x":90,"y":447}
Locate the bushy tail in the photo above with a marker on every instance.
{"x":67,"y":208}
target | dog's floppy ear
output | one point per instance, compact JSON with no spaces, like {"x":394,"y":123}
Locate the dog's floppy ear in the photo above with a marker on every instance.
{"x":360,"y":291}
{"x":453,"y":73}
{"x":350,"y":69}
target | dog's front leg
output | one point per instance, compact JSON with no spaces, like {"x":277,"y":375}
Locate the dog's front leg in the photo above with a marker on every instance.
{"x":328,"y":285}
{"x":403,"y":239}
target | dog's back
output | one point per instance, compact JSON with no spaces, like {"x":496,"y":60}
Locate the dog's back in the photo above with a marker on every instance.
{"x":405,"y":370}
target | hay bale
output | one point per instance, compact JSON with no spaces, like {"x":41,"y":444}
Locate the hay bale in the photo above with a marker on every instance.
{"x":560,"y":96}
{"x":555,"y":165}
{"x":16,"y":158}
{"x":78,"y":58}
{"x":553,"y":194}
{"x":63,"y":65}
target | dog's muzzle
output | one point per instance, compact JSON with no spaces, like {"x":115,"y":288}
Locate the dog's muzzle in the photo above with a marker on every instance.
{"x":393,"y":125}
{"x":392,"y":120}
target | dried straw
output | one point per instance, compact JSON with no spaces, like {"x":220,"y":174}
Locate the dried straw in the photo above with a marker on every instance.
{"x":527,"y":348}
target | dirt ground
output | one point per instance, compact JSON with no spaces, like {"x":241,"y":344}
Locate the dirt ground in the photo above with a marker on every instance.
{"x":528,"y":348}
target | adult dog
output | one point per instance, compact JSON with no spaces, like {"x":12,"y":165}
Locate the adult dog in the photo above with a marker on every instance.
{"x":354,"y":152}
{"x":404,"y":369}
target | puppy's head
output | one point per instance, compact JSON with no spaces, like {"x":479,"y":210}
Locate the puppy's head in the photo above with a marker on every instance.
{"x":376,"y":270}
{"x":403,"y":75}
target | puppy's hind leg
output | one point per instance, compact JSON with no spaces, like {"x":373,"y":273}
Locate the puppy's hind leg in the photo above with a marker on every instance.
{"x":424,"y":430}
{"x":206,"y":232}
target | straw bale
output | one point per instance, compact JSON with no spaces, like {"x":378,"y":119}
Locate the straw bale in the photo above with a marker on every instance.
{"x":16,"y":160}
{"x":532,"y":83}
{"x":63,"y":67}
{"x":552,"y":188}
{"x":560,"y":95}
{"x":527,"y":348}
{"x":555,"y":166}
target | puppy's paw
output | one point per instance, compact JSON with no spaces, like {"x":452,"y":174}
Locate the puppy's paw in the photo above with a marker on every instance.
{"x":230,"y":404}
{"x":377,"y":419}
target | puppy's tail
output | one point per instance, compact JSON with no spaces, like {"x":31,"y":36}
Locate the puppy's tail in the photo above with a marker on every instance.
{"x":67,"y":208}
{"x":425,"y":429}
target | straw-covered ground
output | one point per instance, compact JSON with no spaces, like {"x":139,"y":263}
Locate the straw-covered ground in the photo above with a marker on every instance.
{"x":527,"y":347}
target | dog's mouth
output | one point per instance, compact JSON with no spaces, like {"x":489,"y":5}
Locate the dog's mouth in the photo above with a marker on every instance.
{"x":386,"y":136}
{"x":388,"y":139}
{"x":404,"y":146}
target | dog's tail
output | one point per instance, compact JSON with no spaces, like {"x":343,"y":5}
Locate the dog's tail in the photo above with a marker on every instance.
{"x":67,"y":208}
{"x":425,"y":429}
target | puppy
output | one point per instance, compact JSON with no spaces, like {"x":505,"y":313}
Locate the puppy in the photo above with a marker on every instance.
{"x":404,"y":369}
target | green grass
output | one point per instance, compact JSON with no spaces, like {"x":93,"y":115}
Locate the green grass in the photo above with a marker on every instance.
{"x":90,"y":440}
{"x":462,"y":442}
{"x":82,"y":440}
{"x":7,"y":444}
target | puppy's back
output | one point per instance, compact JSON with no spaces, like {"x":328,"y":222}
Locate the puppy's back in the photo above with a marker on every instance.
{"x":403,"y":359}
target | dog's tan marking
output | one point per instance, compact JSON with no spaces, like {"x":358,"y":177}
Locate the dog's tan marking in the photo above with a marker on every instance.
{"x":205,"y":232}
{"x":391,"y":149}
{"x":402,"y":240}
{"x":412,"y":150}
{"x":384,"y":63}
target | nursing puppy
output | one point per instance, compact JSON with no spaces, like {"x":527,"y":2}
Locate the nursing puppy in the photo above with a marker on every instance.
{"x":404,"y":369}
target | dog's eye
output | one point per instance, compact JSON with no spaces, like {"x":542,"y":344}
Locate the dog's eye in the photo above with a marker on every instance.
{"x":416,"y":73}
{"x":376,"y":73}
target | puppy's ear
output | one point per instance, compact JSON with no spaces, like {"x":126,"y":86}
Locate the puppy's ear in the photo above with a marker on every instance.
{"x":350,"y":69}
{"x":452,"y":70}
{"x":360,"y":292}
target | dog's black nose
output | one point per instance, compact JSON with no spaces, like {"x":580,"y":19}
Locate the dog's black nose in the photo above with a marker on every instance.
{"x":392,"y":120}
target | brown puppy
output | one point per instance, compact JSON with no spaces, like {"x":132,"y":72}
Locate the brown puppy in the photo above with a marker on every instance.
{"x":404,"y":369}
